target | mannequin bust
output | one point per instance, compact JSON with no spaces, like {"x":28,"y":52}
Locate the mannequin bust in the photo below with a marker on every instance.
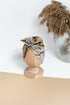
{"x":33,"y":54}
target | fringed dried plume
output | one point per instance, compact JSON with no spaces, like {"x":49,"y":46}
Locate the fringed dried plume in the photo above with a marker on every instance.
{"x":57,"y":18}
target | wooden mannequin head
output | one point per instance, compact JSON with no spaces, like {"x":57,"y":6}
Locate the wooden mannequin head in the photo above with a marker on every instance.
{"x":33,"y":54}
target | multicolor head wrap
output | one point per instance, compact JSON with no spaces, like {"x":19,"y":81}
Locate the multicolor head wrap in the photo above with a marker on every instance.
{"x":36,"y":45}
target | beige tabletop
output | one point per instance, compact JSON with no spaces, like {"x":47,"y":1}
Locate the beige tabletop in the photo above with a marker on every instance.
{"x":18,"y":90}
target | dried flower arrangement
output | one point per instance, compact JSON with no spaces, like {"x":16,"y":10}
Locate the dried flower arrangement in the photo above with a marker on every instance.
{"x":57,"y":19}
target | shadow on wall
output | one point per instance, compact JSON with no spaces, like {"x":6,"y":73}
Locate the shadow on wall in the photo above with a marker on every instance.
{"x":17,"y":60}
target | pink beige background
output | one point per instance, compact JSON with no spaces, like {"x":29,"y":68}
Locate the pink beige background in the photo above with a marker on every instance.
{"x":18,"y":90}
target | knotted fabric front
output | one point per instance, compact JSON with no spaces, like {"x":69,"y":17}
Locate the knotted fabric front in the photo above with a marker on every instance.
{"x":36,"y":45}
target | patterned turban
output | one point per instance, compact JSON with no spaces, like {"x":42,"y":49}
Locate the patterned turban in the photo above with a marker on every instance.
{"x":36,"y":45}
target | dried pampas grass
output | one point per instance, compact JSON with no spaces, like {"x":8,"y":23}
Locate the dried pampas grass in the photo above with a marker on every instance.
{"x":57,"y":18}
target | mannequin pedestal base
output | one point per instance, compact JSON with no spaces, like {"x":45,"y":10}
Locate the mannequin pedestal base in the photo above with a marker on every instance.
{"x":33,"y":72}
